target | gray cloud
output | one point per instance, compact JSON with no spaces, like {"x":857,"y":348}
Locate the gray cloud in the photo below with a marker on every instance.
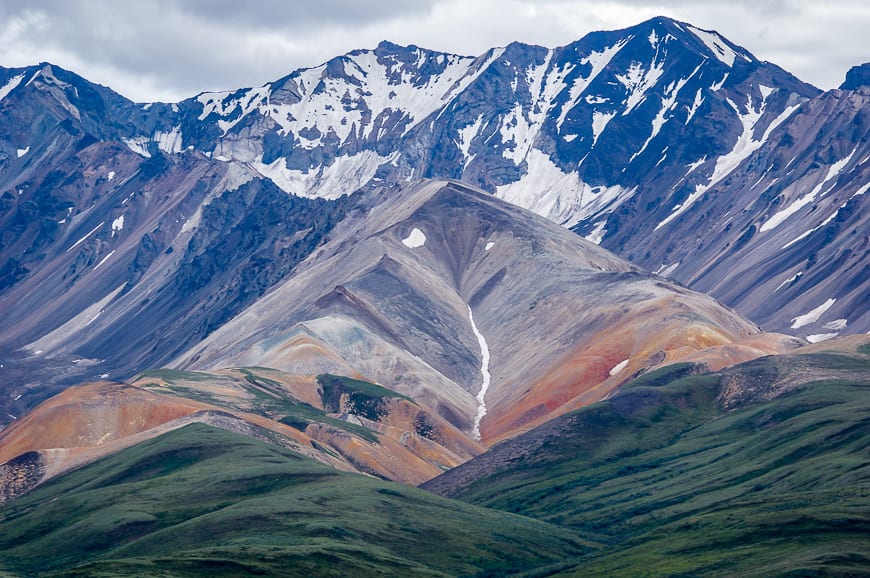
{"x":271,"y":13}
{"x":172,"y":49}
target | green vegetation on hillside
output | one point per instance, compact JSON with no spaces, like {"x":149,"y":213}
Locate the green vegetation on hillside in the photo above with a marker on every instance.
{"x":203,"y":501}
{"x":761,"y":469}
{"x":676,"y":485}
{"x":258,"y":394}
{"x":364,"y":398}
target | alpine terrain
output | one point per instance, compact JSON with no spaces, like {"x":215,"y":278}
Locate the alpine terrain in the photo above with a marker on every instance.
{"x":606,"y":303}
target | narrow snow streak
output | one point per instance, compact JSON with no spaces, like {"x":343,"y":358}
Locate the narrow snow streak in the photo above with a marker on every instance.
{"x":484,"y":372}
{"x":812,"y":316}
{"x":79,"y":242}
{"x":619,"y":367}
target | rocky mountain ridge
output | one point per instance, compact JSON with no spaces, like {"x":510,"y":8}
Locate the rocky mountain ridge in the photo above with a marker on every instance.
{"x":636,"y":139}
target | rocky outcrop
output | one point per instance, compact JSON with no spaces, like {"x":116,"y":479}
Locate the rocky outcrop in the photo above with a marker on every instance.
{"x":857,"y":77}
{"x":20,"y":475}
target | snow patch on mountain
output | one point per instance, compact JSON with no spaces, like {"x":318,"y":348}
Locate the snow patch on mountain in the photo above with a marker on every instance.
{"x":789,"y":280}
{"x":169,"y":142}
{"x":416,"y":238}
{"x":812,"y":316}
{"x":599,"y":123}
{"x":696,"y":104}
{"x":667,"y":270}
{"x":82,"y":240}
{"x":415,"y":99}
{"x":619,"y":367}
{"x":669,"y":103}
{"x":11,"y":85}
{"x":117,"y":225}
{"x":225,"y":105}
{"x":524,"y":123}
{"x":212,"y":102}
{"x":637,"y":81}
{"x":559,"y":196}
{"x":138,"y":145}
{"x":466,"y":136}
{"x":104,"y":259}
{"x":819,"y":337}
{"x":367,"y":91}
{"x":717,"y":46}
{"x":345,"y":175}
{"x":598,"y":61}
{"x":696,"y":164}
{"x":779,"y":217}
{"x":814,"y":229}
{"x":745,"y":145}
{"x":596,"y":235}
{"x":716,"y":87}
{"x":836,"y":325}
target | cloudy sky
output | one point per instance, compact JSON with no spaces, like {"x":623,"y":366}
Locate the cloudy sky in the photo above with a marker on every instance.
{"x":173,"y":49}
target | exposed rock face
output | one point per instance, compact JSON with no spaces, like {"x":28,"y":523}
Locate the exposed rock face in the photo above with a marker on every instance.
{"x":857,"y":77}
{"x":551,"y":445}
{"x":787,"y":232}
{"x":20,"y":475}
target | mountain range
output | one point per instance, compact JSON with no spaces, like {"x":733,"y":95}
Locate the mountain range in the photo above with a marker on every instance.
{"x":402,"y":261}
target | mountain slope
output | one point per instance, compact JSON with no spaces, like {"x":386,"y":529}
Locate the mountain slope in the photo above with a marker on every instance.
{"x":759,"y":468}
{"x":631,"y":137}
{"x":345,"y":423}
{"x":131,"y":232}
{"x":203,"y":499}
{"x":435,"y":277}
{"x":787,"y":231}
{"x":161,"y":208}
{"x":637,"y":139}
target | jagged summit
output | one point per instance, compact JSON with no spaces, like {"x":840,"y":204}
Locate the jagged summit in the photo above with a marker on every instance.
{"x":857,"y":77}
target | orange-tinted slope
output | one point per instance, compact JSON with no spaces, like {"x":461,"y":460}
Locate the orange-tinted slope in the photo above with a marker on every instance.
{"x":409,"y":443}
{"x":601,"y":363}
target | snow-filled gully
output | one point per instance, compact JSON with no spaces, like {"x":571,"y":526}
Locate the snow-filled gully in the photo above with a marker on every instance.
{"x":484,"y":372}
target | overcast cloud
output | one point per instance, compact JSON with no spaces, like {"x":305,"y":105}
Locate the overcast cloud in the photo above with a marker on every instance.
{"x":173,"y":49}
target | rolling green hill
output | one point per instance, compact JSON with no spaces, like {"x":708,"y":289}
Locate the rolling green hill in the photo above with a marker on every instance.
{"x":202,"y":500}
{"x":763,"y":469}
